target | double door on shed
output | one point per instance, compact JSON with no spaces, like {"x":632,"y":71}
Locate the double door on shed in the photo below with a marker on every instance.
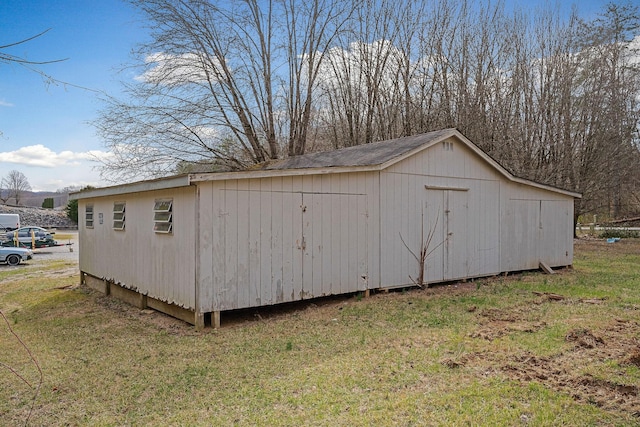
{"x":464,"y":224}
{"x":287,"y":246}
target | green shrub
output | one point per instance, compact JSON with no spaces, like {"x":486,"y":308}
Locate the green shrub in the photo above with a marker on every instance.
{"x":621,"y":233}
{"x":48,"y":203}
{"x":72,"y":210}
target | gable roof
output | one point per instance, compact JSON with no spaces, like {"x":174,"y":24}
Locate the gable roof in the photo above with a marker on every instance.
{"x":370,"y":157}
{"x":375,"y":156}
{"x":375,"y":153}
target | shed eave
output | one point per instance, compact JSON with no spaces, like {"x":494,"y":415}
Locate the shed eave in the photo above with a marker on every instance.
{"x":134,"y":187}
{"x":546,"y":187}
{"x":221,"y":176}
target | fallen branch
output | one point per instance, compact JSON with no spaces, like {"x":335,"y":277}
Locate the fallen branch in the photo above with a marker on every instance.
{"x":592,"y":300}
{"x":551,"y":296}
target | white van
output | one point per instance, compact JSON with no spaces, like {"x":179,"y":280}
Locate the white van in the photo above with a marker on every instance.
{"x":9,"y":222}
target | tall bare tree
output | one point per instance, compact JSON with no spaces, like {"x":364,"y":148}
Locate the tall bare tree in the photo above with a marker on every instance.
{"x":607,"y":150}
{"x":230,"y":84}
{"x":231,"y":81}
{"x":15,"y":184}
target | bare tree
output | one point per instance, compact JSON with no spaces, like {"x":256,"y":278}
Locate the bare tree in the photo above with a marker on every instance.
{"x":9,"y":58}
{"x":365,"y":79}
{"x":15,"y":183}
{"x":607,"y":149}
{"x":231,"y":81}
{"x":226,"y":85}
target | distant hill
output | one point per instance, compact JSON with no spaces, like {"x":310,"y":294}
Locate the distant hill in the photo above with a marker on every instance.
{"x":35,"y":199}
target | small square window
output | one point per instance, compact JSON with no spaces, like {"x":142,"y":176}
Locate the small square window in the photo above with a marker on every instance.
{"x":118,"y":215}
{"x":88,"y":216}
{"x":163,"y":216}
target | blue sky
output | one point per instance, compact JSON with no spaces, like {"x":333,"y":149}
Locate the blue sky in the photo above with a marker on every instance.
{"x":46,"y":131}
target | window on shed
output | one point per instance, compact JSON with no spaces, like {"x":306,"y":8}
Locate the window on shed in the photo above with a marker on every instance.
{"x":118,"y":215}
{"x":163,"y":216}
{"x":88,"y":216}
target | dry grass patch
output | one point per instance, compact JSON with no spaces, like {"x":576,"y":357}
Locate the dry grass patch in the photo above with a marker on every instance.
{"x":492,"y":352}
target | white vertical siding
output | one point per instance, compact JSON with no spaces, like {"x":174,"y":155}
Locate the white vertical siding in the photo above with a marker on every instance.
{"x":161,"y":266}
{"x":229,"y":232}
{"x":433,"y":223}
{"x":205,"y":241}
{"x":537,"y":226}
{"x":451,"y":194}
{"x":485,"y":223}
{"x":284,"y":239}
{"x":258,"y":241}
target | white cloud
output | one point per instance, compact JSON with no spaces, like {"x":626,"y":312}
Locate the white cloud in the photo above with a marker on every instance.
{"x":48,"y":170}
{"x":175,"y":70}
{"x":39,"y":155}
{"x":4,"y":103}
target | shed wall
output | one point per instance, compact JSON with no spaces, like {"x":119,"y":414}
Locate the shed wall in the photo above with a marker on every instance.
{"x":280,"y":239}
{"x":476,"y":222}
{"x":537,"y":226}
{"x":445,"y":196}
{"x":161,"y":266}
{"x":248,"y":242}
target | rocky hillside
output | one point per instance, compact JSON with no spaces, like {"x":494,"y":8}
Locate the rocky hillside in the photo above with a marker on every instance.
{"x":46,"y":218}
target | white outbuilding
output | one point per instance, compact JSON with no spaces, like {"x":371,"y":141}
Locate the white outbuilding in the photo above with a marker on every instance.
{"x":344,"y":221}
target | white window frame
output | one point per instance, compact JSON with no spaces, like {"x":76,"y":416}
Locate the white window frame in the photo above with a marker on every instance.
{"x":88,"y":216}
{"x":119,"y":209}
{"x":163,"y":216}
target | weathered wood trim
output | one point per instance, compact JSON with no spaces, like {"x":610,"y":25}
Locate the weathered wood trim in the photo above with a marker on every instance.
{"x":438,"y":187}
{"x":172,"y":310}
{"x":215,"y":319}
{"x":95,"y":283}
{"x":545,"y":267}
{"x":199,"y":321}
{"x":127,"y":295}
{"x":135,"y":187}
{"x":271,"y":173}
{"x":141,"y":301}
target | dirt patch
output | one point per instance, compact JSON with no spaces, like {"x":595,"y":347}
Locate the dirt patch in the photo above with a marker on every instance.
{"x":611,"y":348}
{"x":633,"y":358}
{"x":561,"y":373}
{"x":575,"y":369}
{"x":148,"y":317}
{"x":496,"y":323}
{"x":584,"y":338}
{"x":495,"y":330}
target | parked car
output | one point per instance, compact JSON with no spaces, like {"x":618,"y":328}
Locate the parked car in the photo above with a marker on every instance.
{"x":43,"y":238}
{"x":13,"y":256}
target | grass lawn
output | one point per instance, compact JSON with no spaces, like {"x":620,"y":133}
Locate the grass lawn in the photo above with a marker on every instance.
{"x":526,"y":349}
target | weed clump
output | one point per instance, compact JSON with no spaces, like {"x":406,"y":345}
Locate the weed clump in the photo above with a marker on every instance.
{"x":620,"y":233}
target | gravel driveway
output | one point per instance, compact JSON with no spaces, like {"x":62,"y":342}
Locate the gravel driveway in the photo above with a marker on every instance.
{"x":67,"y":252}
